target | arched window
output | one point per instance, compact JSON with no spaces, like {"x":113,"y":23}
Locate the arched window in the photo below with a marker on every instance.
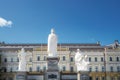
{"x":30,"y":59}
{"x":102,"y":59}
{"x":63,"y":58}
{"x":30,"y":69}
{"x":118,"y":68}
{"x":44,"y":58}
{"x":95,"y":59}
{"x":5,"y":60}
{"x":110,"y":58}
{"x":11,"y":69}
{"x":64,"y":68}
{"x":16,"y":68}
{"x":117,"y":58}
{"x":71,"y":59}
{"x":5,"y":69}
{"x":44,"y":68}
{"x":90,"y":68}
{"x":17,"y":59}
{"x":89,"y":59}
{"x":71,"y":69}
{"x":103,"y":68}
{"x":38,"y":58}
{"x":111,"y":69}
{"x":96,"y":69}
{"x":11,"y":59}
{"x":38,"y":68}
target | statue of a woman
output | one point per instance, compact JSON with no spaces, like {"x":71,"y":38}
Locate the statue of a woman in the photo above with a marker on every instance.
{"x":22,"y":60}
{"x":52,"y":44}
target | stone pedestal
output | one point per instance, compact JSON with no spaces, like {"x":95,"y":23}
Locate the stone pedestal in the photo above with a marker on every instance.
{"x":83,"y":75}
{"x":53,"y":70}
{"x":21,"y":76}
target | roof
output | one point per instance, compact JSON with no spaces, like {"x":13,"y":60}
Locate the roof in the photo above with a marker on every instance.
{"x":45,"y":44}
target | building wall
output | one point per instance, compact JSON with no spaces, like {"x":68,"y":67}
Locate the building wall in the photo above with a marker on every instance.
{"x":67,"y":60}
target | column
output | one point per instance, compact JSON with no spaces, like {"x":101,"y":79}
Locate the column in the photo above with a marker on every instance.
{"x":78,"y":76}
{"x":115,"y":77}
{"x":100,"y":77}
{"x":94,"y":78}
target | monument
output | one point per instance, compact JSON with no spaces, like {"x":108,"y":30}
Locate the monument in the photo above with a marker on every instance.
{"x":81,"y":63}
{"x":22,"y":60}
{"x":52,"y":59}
{"x":21,"y":74}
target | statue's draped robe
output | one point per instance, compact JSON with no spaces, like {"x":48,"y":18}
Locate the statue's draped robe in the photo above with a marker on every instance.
{"x":52,"y":44}
{"x":22,"y":60}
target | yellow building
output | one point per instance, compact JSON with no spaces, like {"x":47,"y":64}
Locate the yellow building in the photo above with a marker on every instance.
{"x":104,"y":60}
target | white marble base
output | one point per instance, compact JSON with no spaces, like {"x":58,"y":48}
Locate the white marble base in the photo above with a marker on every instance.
{"x":53,"y":70}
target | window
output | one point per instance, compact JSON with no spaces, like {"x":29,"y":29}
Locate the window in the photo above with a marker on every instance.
{"x":117,"y":58}
{"x":89,"y":59}
{"x":38,"y":58}
{"x":95,"y":59}
{"x":11,"y":69}
{"x":71,"y":69}
{"x":30,"y":69}
{"x":71,"y":59}
{"x":30,"y":59}
{"x":103,"y":78}
{"x":118,"y":68}
{"x":90,"y":69}
{"x":44,"y":58}
{"x":11,"y":59}
{"x":5,"y":69}
{"x":17,"y":59}
{"x":110,"y":58}
{"x":101,"y":59}
{"x":5,"y":60}
{"x":38,"y":69}
{"x":90,"y":78}
{"x":96,"y":69}
{"x":103,"y":68}
{"x":111,"y":69}
{"x":63,"y":58}
{"x":16,"y":68}
{"x":96,"y":78}
{"x":64,"y":68}
{"x":44,"y":68}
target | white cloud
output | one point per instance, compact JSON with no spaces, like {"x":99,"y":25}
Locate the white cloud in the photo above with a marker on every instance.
{"x":5,"y":23}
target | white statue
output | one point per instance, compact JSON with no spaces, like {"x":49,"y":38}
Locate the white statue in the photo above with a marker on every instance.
{"x":81,"y":61}
{"x":22,"y":60}
{"x":52,"y":44}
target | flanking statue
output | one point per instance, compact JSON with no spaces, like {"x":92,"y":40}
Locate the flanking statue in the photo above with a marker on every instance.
{"x":22,"y":60}
{"x":81,"y":61}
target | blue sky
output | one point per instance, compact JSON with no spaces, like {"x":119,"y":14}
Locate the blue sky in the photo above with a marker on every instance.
{"x":75,"y":21}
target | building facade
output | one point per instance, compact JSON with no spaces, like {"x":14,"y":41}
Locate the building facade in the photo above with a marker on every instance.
{"x":104,"y":61}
